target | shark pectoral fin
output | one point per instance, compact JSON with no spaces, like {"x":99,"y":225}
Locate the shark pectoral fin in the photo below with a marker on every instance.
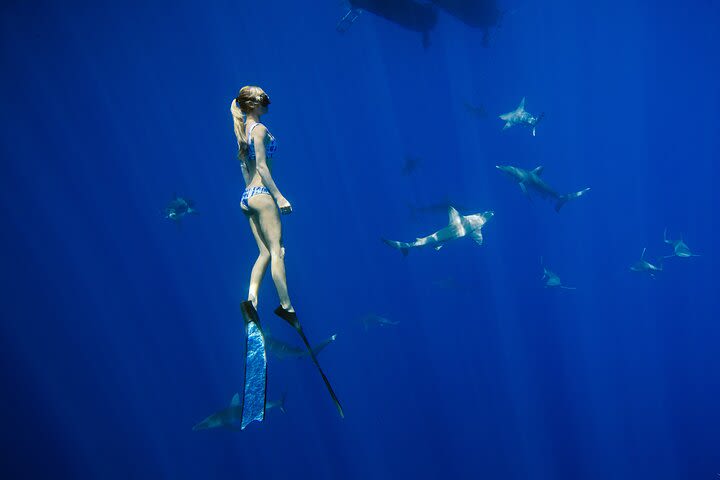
{"x":538,"y":170}
{"x":524,"y":189}
{"x":507,"y":125}
{"x":235,"y":400}
{"x":438,"y":247}
{"x":477,"y":236}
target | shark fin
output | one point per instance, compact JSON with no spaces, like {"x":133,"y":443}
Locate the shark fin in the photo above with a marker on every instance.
{"x":521,"y":107}
{"x":524,"y":189}
{"x":508,"y":124}
{"x":454,"y":217}
{"x":282,"y":402}
{"x":438,"y":247}
{"x":538,"y":170}
{"x":570,"y":196}
{"x":477,"y":236}
{"x":235,"y":400}
{"x":642,"y":255}
{"x":397,"y":245}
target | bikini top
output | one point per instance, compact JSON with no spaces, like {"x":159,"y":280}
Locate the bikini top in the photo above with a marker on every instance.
{"x":270,"y":146}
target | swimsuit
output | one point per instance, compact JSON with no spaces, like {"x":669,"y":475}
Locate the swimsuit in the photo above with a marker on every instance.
{"x":249,"y":193}
{"x":270,"y":149}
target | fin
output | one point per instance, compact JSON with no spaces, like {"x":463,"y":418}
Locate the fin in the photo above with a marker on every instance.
{"x":665,"y":237}
{"x":320,"y":347}
{"x":398,"y":246}
{"x":255,"y":372}
{"x":477,"y":236}
{"x":291,"y":318}
{"x":235,"y":400}
{"x":642,"y":255}
{"x":533,"y":130}
{"x":507,"y":125}
{"x":538,"y":170}
{"x":570,"y":196}
{"x":438,"y":247}
{"x":454,"y":217}
{"x":522,"y":104}
{"x":524,"y":189}
{"x":281,"y":407}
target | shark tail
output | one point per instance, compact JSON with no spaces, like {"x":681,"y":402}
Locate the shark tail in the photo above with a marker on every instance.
{"x":570,"y":196}
{"x":402,"y":246}
{"x":319,"y":348}
{"x":281,"y":407}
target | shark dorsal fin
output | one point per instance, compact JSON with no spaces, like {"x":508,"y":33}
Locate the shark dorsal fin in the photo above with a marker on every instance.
{"x":235,"y":402}
{"x":454,"y":217}
{"x":538,"y":170}
{"x":522,"y":104}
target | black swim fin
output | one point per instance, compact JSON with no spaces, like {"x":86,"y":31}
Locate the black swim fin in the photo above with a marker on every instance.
{"x":255,"y":372}
{"x":291,"y":318}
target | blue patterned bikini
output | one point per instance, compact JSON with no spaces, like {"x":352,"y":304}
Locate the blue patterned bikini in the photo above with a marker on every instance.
{"x":270,"y":149}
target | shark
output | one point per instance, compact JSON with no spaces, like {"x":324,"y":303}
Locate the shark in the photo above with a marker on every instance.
{"x":475,"y":110}
{"x":644,"y":266}
{"x":231,"y":417}
{"x":459,"y":226}
{"x":551,"y":279}
{"x":520,"y":116}
{"x":530,"y":179}
{"x":285,"y":350}
{"x":680,"y":248}
{"x":381,"y":321}
{"x":411,"y":164}
{"x":178,"y":208}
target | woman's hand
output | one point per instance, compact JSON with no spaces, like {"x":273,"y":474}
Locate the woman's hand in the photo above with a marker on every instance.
{"x":284,"y":206}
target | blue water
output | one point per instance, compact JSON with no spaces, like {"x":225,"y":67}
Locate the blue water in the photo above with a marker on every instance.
{"x":120,"y":331}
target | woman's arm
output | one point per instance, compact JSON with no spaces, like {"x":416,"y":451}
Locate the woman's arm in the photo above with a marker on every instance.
{"x":259,"y":134}
{"x":245,"y":172}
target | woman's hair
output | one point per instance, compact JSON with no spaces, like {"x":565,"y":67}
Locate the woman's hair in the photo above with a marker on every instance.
{"x":248,"y":99}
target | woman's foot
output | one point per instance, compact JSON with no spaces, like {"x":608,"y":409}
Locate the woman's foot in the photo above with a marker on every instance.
{"x":289,"y":316}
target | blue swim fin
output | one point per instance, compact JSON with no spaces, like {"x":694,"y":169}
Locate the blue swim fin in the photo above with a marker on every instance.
{"x":255,"y":372}
{"x":291,"y":318}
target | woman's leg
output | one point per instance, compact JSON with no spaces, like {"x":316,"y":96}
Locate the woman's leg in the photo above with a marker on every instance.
{"x":271,"y":231}
{"x":258,"y":270}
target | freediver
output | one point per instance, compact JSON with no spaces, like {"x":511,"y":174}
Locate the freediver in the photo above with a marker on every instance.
{"x":262,"y":203}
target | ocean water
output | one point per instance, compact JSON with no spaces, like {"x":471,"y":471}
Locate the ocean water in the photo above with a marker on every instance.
{"x":121,"y":330}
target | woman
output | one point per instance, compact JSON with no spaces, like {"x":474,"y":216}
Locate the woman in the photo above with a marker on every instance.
{"x":260,"y":202}
{"x":261,"y":198}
